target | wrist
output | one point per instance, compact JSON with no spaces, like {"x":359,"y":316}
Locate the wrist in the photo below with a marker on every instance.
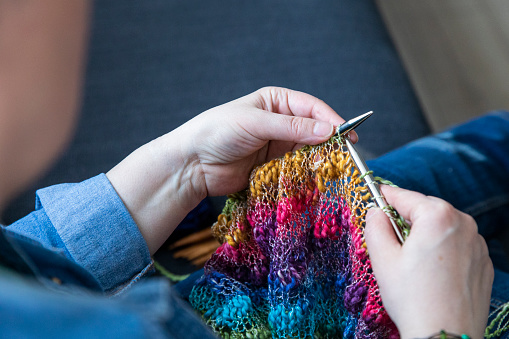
{"x":431,"y":318}
{"x":178,"y":169}
{"x":159,"y":183}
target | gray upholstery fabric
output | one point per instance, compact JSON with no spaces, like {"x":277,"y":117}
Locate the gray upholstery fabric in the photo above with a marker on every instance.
{"x":154,"y":64}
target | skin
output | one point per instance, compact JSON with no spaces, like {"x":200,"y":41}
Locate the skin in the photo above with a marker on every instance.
{"x":213,"y":154}
{"x":441,"y":277}
{"x":42,"y":48}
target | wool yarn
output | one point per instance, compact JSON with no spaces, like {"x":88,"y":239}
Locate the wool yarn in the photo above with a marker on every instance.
{"x":293,"y":261}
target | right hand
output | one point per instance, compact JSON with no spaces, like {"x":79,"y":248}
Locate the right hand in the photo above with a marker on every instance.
{"x":441,"y":277}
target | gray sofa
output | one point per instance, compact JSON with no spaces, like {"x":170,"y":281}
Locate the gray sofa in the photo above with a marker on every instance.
{"x":155,"y":64}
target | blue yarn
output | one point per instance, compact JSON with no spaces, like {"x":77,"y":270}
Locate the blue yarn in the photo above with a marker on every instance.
{"x":320,"y":292}
{"x":290,"y":285}
{"x":283,"y":319}
{"x":232,"y":312}
{"x":351,"y":325}
{"x":340,"y":284}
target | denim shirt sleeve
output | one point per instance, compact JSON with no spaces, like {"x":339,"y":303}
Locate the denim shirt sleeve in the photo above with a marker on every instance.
{"x":90,"y":224}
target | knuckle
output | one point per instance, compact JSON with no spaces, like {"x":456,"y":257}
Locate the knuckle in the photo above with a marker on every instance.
{"x":486,"y":261}
{"x":267,"y":89}
{"x":445,"y":220}
{"x":297,"y":126}
{"x":469,"y":222}
{"x":445,"y":212}
{"x":469,"y":219}
{"x":483,"y":246}
{"x":444,"y":208}
{"x":269,"y":97}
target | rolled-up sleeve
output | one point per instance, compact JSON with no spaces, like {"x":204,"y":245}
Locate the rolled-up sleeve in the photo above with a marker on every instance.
{"x":89,"y":222}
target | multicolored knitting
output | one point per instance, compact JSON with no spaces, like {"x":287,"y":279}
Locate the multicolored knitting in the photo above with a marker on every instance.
{"x":293,"y":261}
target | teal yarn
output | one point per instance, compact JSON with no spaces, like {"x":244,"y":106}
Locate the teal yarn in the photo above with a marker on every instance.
{"x":233,"y":311}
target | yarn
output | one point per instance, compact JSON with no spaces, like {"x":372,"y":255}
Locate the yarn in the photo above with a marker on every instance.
{"x":293,"y":261}
{"x":500,"y":323}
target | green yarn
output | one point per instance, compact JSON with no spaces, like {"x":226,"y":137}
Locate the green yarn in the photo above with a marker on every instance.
{"x":385,"y":182}
{"x":171,"y":276}
{"x":389,"y":210}
{"x":500,"y":324}
{"x":231,"y":202}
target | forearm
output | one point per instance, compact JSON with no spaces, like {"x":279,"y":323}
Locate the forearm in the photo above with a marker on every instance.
{"x":160,"y":183}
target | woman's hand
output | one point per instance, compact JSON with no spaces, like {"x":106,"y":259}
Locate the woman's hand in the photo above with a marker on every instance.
{"x":214,"y":153}
{"x":441,"y":277}
{"x":231,"y":139}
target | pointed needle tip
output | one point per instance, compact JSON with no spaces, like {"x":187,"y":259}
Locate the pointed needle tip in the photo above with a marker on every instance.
{"x":353,"y":123}
{"x":366,"y":115}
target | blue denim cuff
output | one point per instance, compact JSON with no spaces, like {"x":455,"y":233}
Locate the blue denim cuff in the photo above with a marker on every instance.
{"x":97,"y":230}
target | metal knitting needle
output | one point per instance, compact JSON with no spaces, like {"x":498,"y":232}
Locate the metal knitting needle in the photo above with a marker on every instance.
{"x":352,"y":124}
{"x":373,"y":186}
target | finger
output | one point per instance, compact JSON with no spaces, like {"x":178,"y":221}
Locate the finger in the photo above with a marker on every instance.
{"x":289,"y":102}
{"x":380,"y":238}
{"x":298,"y":130}
{"x":407,"y":203}
{"x":382,"y":244}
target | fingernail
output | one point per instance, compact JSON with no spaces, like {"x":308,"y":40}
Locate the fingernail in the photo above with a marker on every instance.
{"x":352,"y":137}
{"x":322,"y":129}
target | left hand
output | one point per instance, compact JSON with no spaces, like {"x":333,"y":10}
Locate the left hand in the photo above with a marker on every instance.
{"x":233,"y":138}
{"x":214,"y":153}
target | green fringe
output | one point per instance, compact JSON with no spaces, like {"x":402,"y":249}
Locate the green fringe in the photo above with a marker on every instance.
{"x":171,"y":276}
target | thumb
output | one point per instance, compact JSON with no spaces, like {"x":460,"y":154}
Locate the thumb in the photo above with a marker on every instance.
{"x":296,"y":129}
{"x":380,"y":238}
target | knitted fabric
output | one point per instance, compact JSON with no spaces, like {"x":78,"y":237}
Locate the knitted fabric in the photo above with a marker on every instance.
{"x":293,"y":261}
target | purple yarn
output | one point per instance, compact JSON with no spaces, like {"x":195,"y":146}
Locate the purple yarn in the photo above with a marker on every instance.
{"x":320,"y":243}
{"x":255,"y":272}
{"x":355,"y":297}
{"x":264,"y":232}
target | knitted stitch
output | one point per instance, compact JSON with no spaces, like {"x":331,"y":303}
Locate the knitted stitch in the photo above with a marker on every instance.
{"x":293,"y":261}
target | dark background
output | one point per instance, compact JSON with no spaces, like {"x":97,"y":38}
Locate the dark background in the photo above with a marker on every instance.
{"x":155,"y":64}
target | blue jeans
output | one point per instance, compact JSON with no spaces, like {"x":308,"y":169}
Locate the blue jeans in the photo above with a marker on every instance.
{"x":467,"y":166}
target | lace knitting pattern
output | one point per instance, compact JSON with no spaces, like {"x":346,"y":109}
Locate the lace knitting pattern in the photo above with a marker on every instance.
{"x":293,"y":261}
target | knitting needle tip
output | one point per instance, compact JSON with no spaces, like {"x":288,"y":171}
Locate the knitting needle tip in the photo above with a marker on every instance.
{"x":352,"y":123}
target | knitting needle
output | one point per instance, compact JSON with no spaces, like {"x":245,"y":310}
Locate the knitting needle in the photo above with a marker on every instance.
{"x":373,"y":186}
{"x":352,"y":123}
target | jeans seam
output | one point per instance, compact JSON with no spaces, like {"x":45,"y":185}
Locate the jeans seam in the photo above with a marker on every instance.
{"x":497,"y":302}
{"x":487,"y":205}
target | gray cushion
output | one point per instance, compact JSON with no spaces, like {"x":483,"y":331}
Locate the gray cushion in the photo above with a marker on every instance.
{"x":154,"y":64}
